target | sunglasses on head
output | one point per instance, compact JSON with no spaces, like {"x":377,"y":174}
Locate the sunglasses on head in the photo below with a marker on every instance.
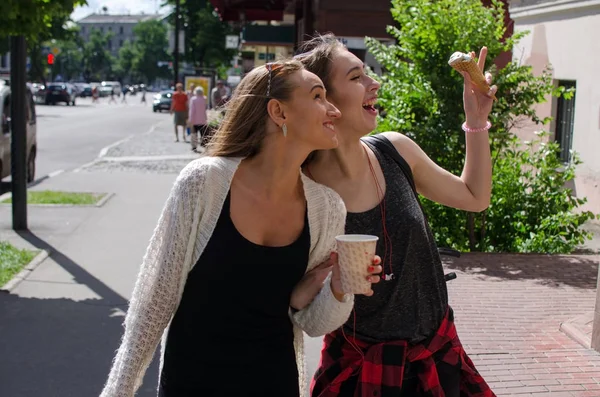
{"x":272,"y":67}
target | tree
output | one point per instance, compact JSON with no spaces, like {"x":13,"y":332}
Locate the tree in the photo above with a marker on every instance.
{"x":422,"y":97}
{"x":39,"y":21}
{"x":33,"y":18}
{"x":205,"y":34}
{"x":69,"y":62}
{"x":124,"y":66}
{"x":98,"y":61}
{"x":150,"y":47}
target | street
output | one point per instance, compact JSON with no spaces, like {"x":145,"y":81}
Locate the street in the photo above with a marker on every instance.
{"x":69,"y":137}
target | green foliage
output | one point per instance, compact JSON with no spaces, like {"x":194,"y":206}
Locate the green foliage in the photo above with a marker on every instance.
{"x":205,"y":34}
{"x":33,"y":18}
{"x":149,"y":47}
{"x":532,"y":207}
{"x":12,"y":260}
{"x":422,"y":97}
{"x":69,"y":63}
{"x":98,"y":61}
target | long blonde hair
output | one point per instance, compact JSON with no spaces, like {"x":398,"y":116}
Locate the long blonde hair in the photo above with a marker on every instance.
{"x":244,"y":128}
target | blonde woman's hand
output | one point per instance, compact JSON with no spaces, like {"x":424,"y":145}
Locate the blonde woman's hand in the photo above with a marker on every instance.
{"x":305,"y":291}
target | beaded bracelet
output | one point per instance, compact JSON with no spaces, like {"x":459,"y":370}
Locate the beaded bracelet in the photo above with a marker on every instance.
{"x":468,"y":130}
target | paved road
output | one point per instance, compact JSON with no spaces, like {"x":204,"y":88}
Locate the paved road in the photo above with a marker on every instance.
{"x":69,"y":137}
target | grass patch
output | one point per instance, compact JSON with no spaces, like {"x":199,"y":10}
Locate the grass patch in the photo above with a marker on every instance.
{"x":54,"y":197}
{"x":12,"y":260}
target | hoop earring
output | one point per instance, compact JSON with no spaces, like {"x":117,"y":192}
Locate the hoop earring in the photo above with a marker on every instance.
{"x":284,"y":128}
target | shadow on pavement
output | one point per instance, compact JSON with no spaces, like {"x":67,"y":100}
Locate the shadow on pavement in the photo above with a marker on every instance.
{"x":579,"y":271}
{"x":62,"y":347}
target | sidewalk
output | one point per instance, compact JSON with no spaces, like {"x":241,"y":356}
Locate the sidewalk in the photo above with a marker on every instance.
{"x":509,"y":309}
{"x":61,"y":326}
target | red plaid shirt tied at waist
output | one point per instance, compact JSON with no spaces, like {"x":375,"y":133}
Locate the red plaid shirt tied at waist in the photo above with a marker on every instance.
{"x":380,"y":367}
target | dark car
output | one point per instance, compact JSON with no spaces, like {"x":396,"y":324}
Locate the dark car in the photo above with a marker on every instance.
{"x":60,"y":92}
{"x":162,"y":101}
{"x":86,"y":91}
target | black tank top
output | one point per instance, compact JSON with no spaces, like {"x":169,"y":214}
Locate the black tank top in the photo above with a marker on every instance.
{"x":412,"y":305}
{"x":231,"y":334}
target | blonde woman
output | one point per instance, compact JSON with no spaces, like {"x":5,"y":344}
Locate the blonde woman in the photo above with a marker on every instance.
{"x":224,"y":279}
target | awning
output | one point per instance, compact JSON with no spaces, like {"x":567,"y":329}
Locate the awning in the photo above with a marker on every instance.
{"x":252,"y":10}
{"x":268,"y":35}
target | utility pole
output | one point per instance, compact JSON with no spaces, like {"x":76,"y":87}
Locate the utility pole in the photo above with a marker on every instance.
{"x":176,"y":50}
{"x":18,"y":125}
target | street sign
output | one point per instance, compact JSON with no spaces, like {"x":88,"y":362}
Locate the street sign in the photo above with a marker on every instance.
{"x":55,"y":50}
{"x":232,"y":41}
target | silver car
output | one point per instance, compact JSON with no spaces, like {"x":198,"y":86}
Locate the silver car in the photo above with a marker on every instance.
{"x":5,"y":134}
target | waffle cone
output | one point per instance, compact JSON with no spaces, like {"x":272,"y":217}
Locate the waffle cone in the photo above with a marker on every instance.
{"x":477,"y":77}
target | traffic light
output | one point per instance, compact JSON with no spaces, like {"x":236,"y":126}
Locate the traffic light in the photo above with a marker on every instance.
{"x":50,"y":59}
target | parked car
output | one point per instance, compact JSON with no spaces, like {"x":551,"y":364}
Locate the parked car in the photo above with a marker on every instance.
{"x":60,"y":92}
{"x":104,"y":91}
{"x":5,"y":133}
{"x":162,"y":101}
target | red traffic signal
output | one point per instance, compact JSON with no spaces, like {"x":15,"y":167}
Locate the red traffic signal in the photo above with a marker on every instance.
{"x":50,"y":59}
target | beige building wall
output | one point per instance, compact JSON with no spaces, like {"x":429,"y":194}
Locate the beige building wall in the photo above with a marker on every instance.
{"x":566,"y":35}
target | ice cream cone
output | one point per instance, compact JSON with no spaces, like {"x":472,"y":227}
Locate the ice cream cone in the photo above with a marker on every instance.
{"x":465,"y":63}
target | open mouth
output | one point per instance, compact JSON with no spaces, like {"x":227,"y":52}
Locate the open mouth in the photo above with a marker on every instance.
{"x":329,"y":125}
{"x":369,"y":106}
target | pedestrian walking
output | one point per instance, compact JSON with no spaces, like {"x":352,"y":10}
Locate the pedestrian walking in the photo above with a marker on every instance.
{"x":225,"y":279}
{"x":179,"y":108}
{"x":112,"y":96}
{"x":144,"y":95}
{"x":197,"y":118}
{"x":190,"y":94}
{"x":124,"y":99}
{"x":95,"y":94}
{"x":218,"y":95}
{"x":402,"y":341}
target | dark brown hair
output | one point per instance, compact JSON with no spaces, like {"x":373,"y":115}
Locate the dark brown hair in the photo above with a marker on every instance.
{"x":317,"y":56}
{"x":244,"y":128}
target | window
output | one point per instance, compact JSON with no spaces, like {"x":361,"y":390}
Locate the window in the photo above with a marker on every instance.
{"x":121,"y":43}
{"x":83,"y":29}
{"x":121,"y":30}
{"x":110,"y":44}
{"x":101,"y":29}
{"x":565,"y":119}
{"x":110,"y":28}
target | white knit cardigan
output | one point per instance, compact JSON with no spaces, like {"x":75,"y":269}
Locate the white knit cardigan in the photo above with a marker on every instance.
{"x":185,"y":226}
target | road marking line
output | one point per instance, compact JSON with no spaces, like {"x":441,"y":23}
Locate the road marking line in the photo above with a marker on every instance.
{"x":55,"y":173}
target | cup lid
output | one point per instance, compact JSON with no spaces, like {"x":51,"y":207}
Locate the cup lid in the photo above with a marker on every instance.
{"x":356,"y":238}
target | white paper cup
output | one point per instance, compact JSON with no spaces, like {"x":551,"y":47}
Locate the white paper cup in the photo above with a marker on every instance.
{"x":355,"y":255}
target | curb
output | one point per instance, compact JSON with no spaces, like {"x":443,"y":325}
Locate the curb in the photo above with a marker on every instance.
{"x":570,"y":329}
{"x":24,"y":273}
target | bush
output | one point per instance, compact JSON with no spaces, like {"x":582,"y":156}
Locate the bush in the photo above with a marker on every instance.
{"x":531,"y":210}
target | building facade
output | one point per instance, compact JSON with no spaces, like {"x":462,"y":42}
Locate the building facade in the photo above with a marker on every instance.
{"x":564,"y":34}
{"x":121,"y":26}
